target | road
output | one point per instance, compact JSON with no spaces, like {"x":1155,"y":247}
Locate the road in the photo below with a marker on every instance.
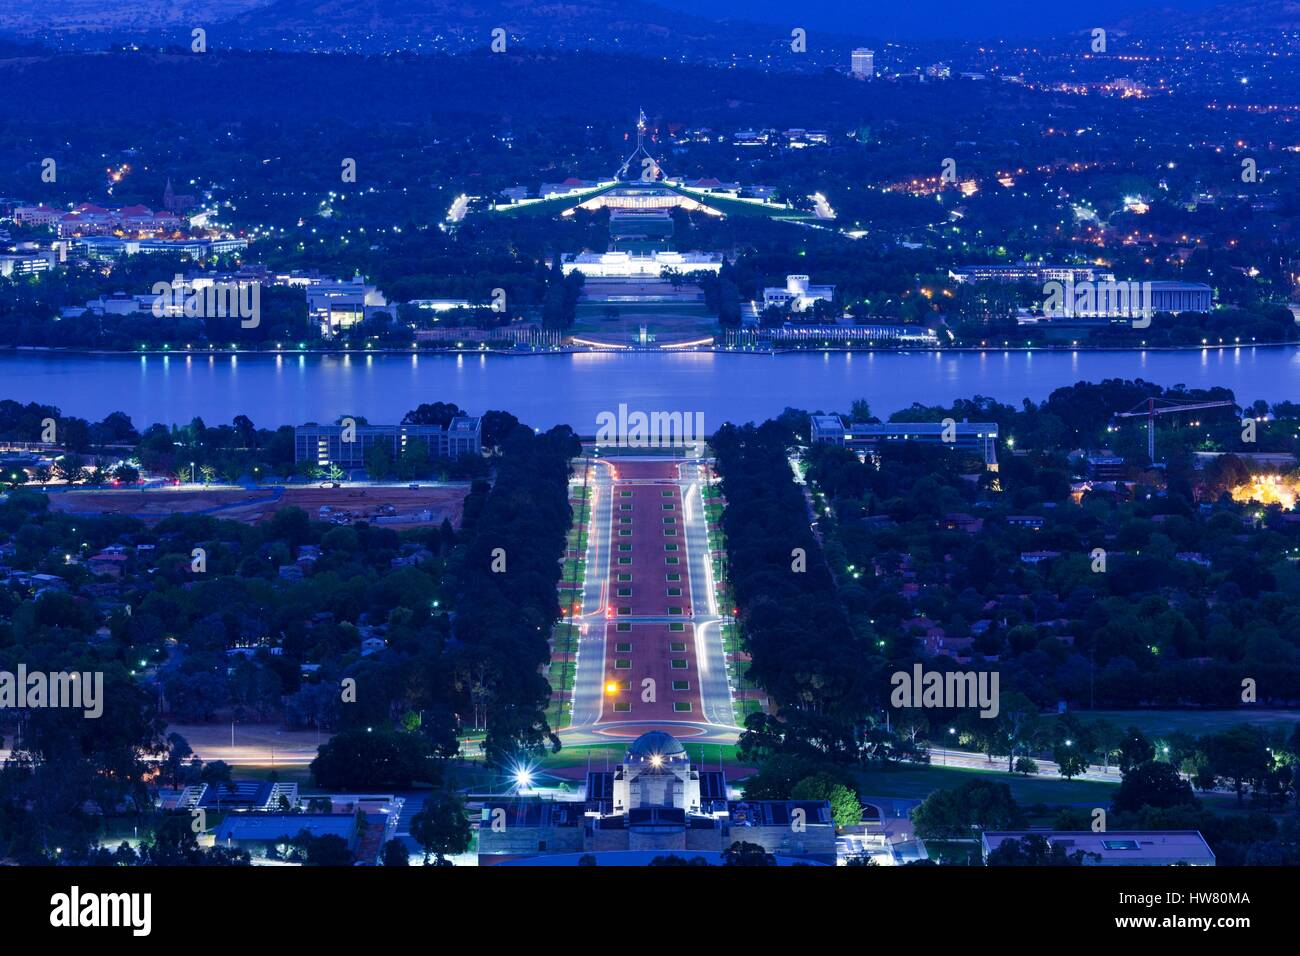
{"x":710,"y":655}
{"x":458,"y":209}
{"x":650,"y":651}
{"x":255,"y":745}
{"x":941,"y":757}
{"x":589,"y":669}
{"x":822,"y":206}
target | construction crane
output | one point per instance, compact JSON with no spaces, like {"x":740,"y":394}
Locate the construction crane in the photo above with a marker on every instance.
{"x":1150,"y":409}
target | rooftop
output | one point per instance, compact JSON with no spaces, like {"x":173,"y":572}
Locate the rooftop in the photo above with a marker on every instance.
{"x":1120,"y":847}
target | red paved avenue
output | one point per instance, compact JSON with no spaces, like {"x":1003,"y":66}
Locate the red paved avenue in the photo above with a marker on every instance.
{"x":648,"y":578}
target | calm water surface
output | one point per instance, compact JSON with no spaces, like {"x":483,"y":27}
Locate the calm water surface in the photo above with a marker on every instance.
{"x":545,"y":390}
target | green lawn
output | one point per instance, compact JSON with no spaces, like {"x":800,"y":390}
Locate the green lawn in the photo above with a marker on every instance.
{"x":919,"y":782}
{"x":743,"y":708}
{"x":705,"y":755}
{"x":550,"y":207}
{"x":731,"y":637}
{"x":1157,"y":723}
{"x":671,"y":321}
{"x":559,"y":673}
{"x":685,"y":313}
{"x":560,"y":676}
{"x":740,"y":208}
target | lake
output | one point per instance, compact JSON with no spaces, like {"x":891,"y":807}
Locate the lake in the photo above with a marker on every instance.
{"x":572,"y":388}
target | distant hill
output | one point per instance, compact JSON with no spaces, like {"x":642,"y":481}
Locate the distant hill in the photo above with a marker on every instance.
{"x":31,"y":17}
{"x":449,"y":24}
{"x":1236,"y":18}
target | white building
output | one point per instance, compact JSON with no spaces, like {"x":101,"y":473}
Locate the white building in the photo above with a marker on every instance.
{"x":119,"y":303}
{"x":864,"y":63}
{"x":41,"y":215}
{"x":1027,"y":272}
{"x":343,"y":303}
{"x":1125,"y":299}
{"x":798,"y":294}
{"x":627,"y":265}
{"x":26,"y":263}
{"x":444,"y":305}
{"x":652,"y":803}
{"x":110,"y":247}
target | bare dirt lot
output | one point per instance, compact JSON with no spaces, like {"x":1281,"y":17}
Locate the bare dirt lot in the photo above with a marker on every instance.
{"x":254,"y":505}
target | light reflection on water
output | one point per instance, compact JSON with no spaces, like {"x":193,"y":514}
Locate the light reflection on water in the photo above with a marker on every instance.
{"x":552,"y":389}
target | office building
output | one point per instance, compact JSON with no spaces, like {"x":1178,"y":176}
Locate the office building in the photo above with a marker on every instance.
{"x":26,"y":263}
{"x":327,"y":445}
{"x":863,"y":63}
{"x":342,"y":303}
{"x":1036,"y":272}
{"x":979,"y":437}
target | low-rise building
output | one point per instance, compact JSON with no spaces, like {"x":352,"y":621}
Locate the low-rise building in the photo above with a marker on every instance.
{"x":26,"y":263}
{"x":1103,"y":467}
{"x":1036,"y":272}
{"x":1117,"y":847}
{"x":111,"y":247}
{"x":798,"y":294}
{"x":980,"y":437}
{"x":346,"y":447}
{"x":623,"y":264}
{"x":343,"y":303}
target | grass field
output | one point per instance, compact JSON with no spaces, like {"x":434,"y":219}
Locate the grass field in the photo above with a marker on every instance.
{"x":670,"y":321}
{"x":919,"y":782}
{"x":741,"y":208}
{"x":705,"y":755}
{"x":1157,"y":723}
{"x":550,"y":207}
{"x":743,"y":708}
{"x":560,"y":674}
